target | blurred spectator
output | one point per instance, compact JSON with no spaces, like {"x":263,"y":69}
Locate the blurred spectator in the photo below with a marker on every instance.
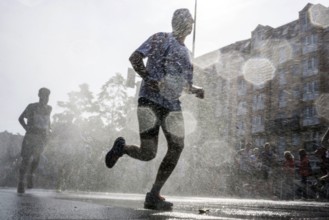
{"x":288,"y":169}
{"x":256,"y":165}
{"x":268,"y":159}
{"x":304,"y":172}
{"x":323,"y":154}
{"x":243,"y":159}
{"x":255,"y":160}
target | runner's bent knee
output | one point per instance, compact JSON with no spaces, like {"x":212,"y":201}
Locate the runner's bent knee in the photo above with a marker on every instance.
{"x":149,"y":149}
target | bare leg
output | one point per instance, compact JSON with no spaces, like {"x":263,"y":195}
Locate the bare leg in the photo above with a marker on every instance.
{"x":146,"y":152}
{"x":168,"y":164}
{"x":34,"y":166}
{"x":173,"y":128}
{"x":23,"y":168}
{"x":149,"y":126}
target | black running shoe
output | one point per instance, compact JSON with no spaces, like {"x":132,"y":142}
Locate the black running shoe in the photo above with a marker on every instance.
{"x":115,"y":153}
{"x":156,"y":202}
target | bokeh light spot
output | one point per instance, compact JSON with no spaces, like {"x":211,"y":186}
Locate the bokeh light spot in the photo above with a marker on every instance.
{"x":172,"y":86}
{"x":258,"y":70}
{"x":322,"y":106}
{"x":175,"y":124}
{"x":319,"y":15}
{"x":147,"y":116}
{"x":179,"y":127}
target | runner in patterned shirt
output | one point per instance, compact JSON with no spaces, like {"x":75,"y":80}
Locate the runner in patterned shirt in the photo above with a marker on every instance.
{"x":167,"y":73}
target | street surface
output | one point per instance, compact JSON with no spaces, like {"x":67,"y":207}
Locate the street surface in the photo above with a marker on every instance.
{"x":48,"y":204}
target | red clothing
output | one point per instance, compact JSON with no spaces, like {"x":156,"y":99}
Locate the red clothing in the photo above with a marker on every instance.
{"x":289,"y":167}
{"x":304,"y":169}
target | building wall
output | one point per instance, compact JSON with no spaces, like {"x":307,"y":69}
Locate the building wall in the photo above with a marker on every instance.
{"x":281,"y":110}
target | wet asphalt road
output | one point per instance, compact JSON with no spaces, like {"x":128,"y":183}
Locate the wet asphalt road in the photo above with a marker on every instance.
{"x":46,"y":204}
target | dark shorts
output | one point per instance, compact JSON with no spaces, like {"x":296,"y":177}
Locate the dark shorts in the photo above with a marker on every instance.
{"x":152,"y":116}
{"x":33,"y":145}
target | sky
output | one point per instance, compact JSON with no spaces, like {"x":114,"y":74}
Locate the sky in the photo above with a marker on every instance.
{"x":61,"y":44}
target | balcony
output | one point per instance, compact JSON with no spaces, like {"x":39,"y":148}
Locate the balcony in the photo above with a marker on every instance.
{"x":309,"y":48}
{"x":311,"y":121}
{"x":257,"y":128}
{"x":307,"y":96}
{"x":310,"y":72}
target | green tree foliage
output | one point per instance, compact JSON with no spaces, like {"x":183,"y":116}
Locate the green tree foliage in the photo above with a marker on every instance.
{"x":112,"y":102}
{"x":82,"y":133}
{"x":80,"y":106}
{"x":10,"y":146}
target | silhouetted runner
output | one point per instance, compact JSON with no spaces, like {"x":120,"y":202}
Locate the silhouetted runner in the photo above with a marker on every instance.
{"x":37,"y":129}
{"x":168,"y":72}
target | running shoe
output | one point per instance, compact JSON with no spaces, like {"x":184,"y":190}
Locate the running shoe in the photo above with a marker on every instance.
{"x":156,"y":202}
{"x":115,"y":153}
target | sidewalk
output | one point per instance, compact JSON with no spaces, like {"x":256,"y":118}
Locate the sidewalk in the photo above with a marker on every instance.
{"x":49,"y":204}
{"x":31,"y":206}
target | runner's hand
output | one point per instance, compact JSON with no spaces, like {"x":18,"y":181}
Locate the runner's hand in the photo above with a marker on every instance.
{"x":199,"y":93}
{"x":153,"y":85}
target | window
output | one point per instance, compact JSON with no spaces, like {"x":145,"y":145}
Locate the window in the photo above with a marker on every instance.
{"x":259,"y":141}
{"x":295,"y":139}
{"x":282,"y":144}
{"x":283,"y":54}
{"x":242,"y":108}
{"x":242,"y":87}
{"x":282,"y":99}
{"x":295,"y":70}
{"x":316,"y":136}
{"x":314,"y":39}
{"x":304,"y":21}
{"x":257,"y":124}
{"x":310,"y":66}
{"x":313,"y":136}
{"x":312,"y":140}
{"x":296,"y":48}
{"x":311,"y":90}
{"x":307,"y":40}
{"x":260,"y":86}
{"x":282,"y":78}
{"x":258,"y":102}
{"x":311,"y":39}
{"x":309,"y":112}
{"x":296,"y":92}
{"x":310,"y":43}
{"x":310,"y":116}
